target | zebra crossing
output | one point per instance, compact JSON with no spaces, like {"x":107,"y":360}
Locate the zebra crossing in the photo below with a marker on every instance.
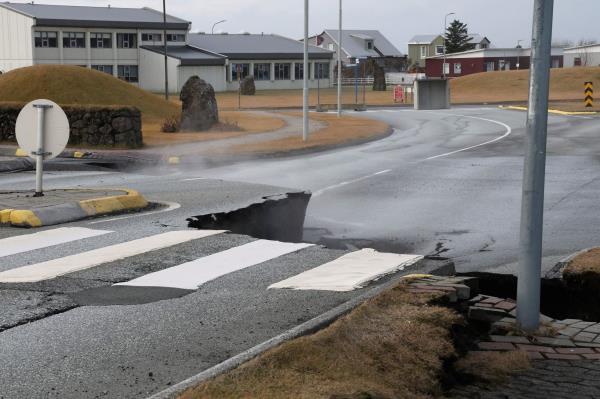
{"x":348,"y":272}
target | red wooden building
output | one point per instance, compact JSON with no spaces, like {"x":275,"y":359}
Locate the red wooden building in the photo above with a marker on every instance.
{"x":485,"y":60}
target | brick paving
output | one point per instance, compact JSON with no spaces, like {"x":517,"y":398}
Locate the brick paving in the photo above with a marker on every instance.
{"x":547,"y":379}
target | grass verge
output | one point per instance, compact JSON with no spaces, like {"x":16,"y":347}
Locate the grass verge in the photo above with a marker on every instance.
{"x":339,"y":131}
{"x":392,"y":346}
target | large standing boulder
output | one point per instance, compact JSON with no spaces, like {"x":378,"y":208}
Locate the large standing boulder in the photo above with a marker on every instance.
{"x":199,"y":105}
{"x":378,"y":77}
{"x":247,"y":86}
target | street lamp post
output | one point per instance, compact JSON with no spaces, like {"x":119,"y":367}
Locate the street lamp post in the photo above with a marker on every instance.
{"x":166,"y":57}
{"x":339,"y":66}
{"x":519,"y":53}
{"x":305,"y":123}
{"x":444,"y":36}
{"x":212,"y":31}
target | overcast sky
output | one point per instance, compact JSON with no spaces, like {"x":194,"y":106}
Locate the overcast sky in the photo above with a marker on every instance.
{"x":502,"y":21}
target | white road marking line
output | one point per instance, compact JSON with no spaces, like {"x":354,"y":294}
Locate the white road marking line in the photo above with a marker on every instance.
{"x":197,"y":178}
{"x":43,"y":239}
{"x":69,"y":264}
{"x":508,"y":133}
{"x":345,"y":183}
{"x":350,"y":272}
{"x":191,"y":275}
{"x":171,"y":206}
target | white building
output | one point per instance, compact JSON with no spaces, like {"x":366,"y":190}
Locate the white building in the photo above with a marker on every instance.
{"x":588,"y":55}
{"x":128,"y":43}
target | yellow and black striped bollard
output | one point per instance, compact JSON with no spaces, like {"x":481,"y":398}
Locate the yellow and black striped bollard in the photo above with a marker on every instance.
{"x":589,"y":94}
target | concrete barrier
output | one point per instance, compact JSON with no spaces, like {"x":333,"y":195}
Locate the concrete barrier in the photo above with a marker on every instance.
{"x":431,"y":94}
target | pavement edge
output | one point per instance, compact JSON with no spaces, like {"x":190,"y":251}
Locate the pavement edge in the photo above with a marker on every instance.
{"x":424,"y":266}
{"x":65,"y":213}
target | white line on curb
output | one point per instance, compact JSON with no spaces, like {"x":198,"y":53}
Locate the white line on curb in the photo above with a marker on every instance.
{"x":350,"y":272}
{"x":191,"y":275}
{"x":171,"y":206}
{"x":43,"y":239}
{"x":86,"y":260}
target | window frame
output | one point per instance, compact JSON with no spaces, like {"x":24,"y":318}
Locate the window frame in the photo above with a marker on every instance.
{"x":282,"y":69}
{"x":262,"y":74}
{"x":439,"y":49}
{"x":41,"y":37}
{"x":121,"y":40}
{"x":103,"y":68}
{"x":171,"y":36}
{"x":423,"y":51}
{"x":73,"y":40}
{"x":245,"y":71}
{"x":124,"y":72}
{"x":457,"y":68}
{"x":298,"y":67}
{"x":152,"y":37}
{"x":101,"y":37}
{"x":322,"y":70}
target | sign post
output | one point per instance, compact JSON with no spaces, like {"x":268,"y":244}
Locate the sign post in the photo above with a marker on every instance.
{"x":42,"y":130}
{"x":589,"y":94}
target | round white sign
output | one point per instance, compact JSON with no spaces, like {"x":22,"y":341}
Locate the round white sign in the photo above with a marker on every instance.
{"x":56,"y":128}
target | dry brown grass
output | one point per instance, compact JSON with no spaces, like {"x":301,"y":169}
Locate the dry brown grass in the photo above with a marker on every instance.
{"x":500,"y":86}
{"x":493,"y":367}
{"x":293,"y":98}
{"x":246,"y":123}
{"x":588,"y":262}
{"x":393,"y":346}
{"x":347,"y":129}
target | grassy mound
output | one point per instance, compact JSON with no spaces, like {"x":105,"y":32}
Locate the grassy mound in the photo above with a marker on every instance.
{"x":79,"y":86}
{"x":565,"y":84}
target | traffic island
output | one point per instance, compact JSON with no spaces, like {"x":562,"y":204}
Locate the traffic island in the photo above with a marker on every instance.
{"x":22,"y":209}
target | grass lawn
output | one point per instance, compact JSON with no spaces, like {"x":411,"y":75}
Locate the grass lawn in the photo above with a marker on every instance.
{"x":393,"y":346}
{"x":346,"y":130}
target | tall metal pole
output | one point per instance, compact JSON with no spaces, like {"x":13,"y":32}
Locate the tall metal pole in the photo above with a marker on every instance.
{"x":305,"y":124}
{"x":532,"y":209}
{"x":339,"y":82}
{"x":166,"y":57}
{"x":212,"y":31}
{"x":41,"y":152}
{"x":444,"y":46}
{"x":519,"y":54}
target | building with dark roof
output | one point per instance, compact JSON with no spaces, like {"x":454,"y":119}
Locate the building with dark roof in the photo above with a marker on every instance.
{"x":275,"y":62}
{"x":128,"y":43}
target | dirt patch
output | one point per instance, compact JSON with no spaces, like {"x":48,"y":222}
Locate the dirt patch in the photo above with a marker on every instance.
{"x":293,"y":98}
{"x":391,"y":346}
{"x":232,"y":124}
{"x":588,"y":262}
{"x":338,"y":131}
{"x":583,"y":273}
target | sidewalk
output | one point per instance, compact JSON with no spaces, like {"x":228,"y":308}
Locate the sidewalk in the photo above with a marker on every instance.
{"x":21,"y":209}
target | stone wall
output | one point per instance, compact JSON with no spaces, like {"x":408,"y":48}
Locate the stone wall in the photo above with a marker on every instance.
{"x":102,"y":126}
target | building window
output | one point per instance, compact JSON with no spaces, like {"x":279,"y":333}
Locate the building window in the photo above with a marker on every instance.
{"x":322,"y":70}
{"x":101,"y":40}
{"x":175,"y":37}
{"x":298,"y":68}
{"x":74,"y":40}
{"x":239,"y":71}
{"x":104,"y":68}
{"x":282,"y":71}
{"x":439,"y":50}
{"x":457,"y":68}
{"x":151,"y":37}
{"x":577,"y":61}
{"x":331,"y":46}
{"x":46,"y":39}
{"x":128,"y":73}
{"x":423,"y":51}
{"x":126,"y":40}
{"x":370,"y":45}
{"x":262,"y":71}
{"x":490,"y":66}
{"x":483,"y":45}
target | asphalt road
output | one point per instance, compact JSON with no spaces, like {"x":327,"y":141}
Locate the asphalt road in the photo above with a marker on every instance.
{"x":445,"y":183}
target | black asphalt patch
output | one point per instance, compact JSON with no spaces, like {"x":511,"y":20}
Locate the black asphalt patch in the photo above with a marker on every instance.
{"x":124,"y":295}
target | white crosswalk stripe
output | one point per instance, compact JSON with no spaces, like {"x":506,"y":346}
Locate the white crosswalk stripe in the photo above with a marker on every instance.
{"x":69,"y":264}
{"x":44,"y":239}
{"x":193,"y":274}
{"x":350,"y":272}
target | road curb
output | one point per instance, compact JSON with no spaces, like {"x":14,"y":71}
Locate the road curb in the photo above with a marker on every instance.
{"x":70,"y":212}
{"x":309,"y":327}
{"x":552,"y":111}
{"x":557,"y":271}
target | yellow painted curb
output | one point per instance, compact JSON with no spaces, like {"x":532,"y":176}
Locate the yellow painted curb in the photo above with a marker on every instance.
{"x":5,"y":216}
{"x":411,"y":277}
{"x":24,"y":218}
{"x":78,"y":154}
{"x":174,"y":161}
{"x":552,"y":111}
{"x":101,"y":206}
{"x":21,"y":153}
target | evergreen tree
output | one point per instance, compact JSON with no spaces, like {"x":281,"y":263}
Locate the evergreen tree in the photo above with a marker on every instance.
{"x":457,"y":38}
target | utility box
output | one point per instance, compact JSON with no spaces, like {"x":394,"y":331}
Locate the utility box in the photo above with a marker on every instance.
{"x":432,"y":94}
